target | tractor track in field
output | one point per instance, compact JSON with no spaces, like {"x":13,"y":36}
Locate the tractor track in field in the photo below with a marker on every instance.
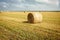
{"x":43,"y":29}
{"x":17,"y":34}
{"x":11,"y":32}
{"x":49,"y":31}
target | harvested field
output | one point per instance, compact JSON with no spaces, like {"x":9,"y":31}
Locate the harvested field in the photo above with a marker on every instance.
{"x":14,"y":27}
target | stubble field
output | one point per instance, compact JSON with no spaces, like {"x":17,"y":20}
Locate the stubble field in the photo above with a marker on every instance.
{"x":13,"y":26}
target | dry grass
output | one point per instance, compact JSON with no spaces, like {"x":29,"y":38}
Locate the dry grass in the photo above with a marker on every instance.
{"x":13,"y":27}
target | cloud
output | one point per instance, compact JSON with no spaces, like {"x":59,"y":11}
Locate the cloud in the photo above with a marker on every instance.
{"x":54,"y":2}
{"x":37,"y":7}
{"x":3,"y":5}
{"x":29,"y":5}
{"x":16,"y":1}
{"x":42,"y":1}
{"x":51,"y":2}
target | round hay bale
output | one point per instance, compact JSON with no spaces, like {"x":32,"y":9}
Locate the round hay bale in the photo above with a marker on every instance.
{"x":0,"y":12}
{"x":34,"y":17}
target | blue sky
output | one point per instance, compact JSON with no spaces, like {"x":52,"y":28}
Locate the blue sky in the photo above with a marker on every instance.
{"x":29,"y":5}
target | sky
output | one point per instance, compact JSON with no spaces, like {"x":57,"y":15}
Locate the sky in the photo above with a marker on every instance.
{"x":29,"y":5}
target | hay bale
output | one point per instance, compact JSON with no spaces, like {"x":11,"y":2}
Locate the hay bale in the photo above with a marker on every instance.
{"x":0,"y":12}
{"x":34,"y":17}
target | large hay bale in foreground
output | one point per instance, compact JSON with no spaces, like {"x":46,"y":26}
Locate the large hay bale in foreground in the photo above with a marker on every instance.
{"x":34,"y":17}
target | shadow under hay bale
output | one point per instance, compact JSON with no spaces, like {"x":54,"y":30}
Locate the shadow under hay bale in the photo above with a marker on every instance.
{"x":34,"y":18}
{"x":25,"y":21}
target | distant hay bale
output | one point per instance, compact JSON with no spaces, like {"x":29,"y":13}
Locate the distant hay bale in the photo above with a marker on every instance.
{"x":0,"y":12}
{"x":24,"y":11}
{"x":34,"y":17}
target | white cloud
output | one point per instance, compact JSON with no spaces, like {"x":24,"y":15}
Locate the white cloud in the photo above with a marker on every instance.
{"x":3,"y":4}
{"x":20,"y":0}
{"x":51,"y":2}
{"x":54,"y":2}
{"x":17,"y":0}
{"x":41,"y":7}
{"x":42,"y":1}
{"x":19,"y":5}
